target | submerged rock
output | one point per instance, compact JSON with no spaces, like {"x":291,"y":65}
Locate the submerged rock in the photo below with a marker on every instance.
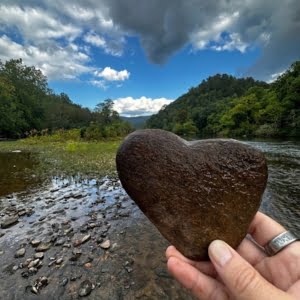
{"x":35,"y":243}
{"x":85,"y":288}
{"x":39,"y":255}
{"x":20,"y":253}
{"x":43,"y":247}
{"x":77,"y":243}
{"x":9,"y":221}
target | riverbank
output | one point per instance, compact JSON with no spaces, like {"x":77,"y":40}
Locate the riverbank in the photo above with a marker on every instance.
{"x":69,"y":238}
{"x":67,"y":158}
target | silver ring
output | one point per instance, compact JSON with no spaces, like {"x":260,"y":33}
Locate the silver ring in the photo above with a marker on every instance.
{"x":279,"y":242}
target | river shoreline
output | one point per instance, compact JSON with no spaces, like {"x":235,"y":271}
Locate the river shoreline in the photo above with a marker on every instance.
{"x":74,"y":238}
{"x":67,"y":236}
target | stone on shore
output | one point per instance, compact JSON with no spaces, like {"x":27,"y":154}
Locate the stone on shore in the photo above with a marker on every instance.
{"x":9,"y":221}
{"x":20,"y":253}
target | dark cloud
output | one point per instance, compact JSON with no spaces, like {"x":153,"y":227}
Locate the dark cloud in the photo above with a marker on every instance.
{"x":165,"y":26}
{"x":283,"y":47}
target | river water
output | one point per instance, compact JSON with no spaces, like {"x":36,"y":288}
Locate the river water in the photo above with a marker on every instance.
{"x":282,"y":197}
{"x":70,"y":214}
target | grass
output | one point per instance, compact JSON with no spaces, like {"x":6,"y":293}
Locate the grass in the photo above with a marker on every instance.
{"x":70,"y":157}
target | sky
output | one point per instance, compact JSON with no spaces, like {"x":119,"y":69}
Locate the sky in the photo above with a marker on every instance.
{"x":144,"y":54}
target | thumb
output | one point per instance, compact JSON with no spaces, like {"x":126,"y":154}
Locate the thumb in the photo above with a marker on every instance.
{"x":241,"y":280}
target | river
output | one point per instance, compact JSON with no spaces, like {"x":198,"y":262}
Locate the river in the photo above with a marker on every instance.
{"x":91,"y":237}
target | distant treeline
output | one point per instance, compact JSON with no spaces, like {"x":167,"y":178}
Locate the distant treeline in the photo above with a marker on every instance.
{"x":224,"y":105}
{"x":29,"y":107}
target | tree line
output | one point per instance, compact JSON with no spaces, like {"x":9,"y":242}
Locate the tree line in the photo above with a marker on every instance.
{"x":29,"y":107}
{"x":226,"y":106}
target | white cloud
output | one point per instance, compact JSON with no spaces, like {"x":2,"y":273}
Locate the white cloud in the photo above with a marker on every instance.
{"x":111,"y":47}
{"x":95,"y":40}
{"x":211,"y":35}
{"x":99,"y":83}
{"x":233,"y":42}
{"x":54,"y":61}
{"x":139,"y":107}
{"x":110,"y":74}
{"x":274,"y":76}
{"x":50,"y":37}
{"x":35,"y":24}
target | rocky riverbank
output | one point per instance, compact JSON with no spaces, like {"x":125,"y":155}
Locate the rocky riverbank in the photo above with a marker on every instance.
{"x":81,"y":238}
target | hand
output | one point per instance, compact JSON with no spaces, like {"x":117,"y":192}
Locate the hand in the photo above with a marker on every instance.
{"x":245,"y":274}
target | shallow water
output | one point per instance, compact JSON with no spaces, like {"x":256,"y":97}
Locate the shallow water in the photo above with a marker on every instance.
{"x":17,"y":172}
{"x":60,"y":211}
{"x":282,"y":196}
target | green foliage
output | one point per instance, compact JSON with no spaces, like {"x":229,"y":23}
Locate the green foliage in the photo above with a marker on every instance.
{"x":226,"y":106}
{"x":187,"y":129}
{"x":29,"y":108}
{"x":108,"y":124}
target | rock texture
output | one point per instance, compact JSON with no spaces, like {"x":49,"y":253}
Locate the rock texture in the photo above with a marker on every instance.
{"x":193,"y":192}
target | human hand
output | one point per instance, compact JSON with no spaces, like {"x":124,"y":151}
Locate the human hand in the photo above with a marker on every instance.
{"x":245,"y":274}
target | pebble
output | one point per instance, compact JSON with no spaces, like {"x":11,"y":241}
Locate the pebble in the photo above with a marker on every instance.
{"x":27,"y":262}
{"x":85,"y":288}
{"x":88,"y":265}
{"x":35,"y":243}
{"x":22,"y":213}
{"x":43,"y":247}
{"x":44,"y":280}
{"x":32,"y":270}
{"x":25,"y":274}
{"x":85,"y":238}
{"x":33,"y":263}
{"x":10,"y":221}
{"x":105,"y":245}
{"x":20,"y":253}
{"x":15,"y":268}
{"x":34,"y":290}
{"x":92,"y":225}
{"x":77,"y":243}
{"x":64,"y":281}
{"x":60,"y":242}
{"x":59,"y":261}
{"x":39,"y":255}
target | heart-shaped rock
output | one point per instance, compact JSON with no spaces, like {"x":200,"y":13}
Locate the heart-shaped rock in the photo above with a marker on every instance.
{"x":193,"y":192}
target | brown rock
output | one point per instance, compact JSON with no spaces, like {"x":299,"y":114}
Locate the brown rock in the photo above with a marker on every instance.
{"x":35,"y":243}
{"x":105,"y":245}
{"x":88,"y":265}
{"x":33,"y":263}
{"x":194,"y":192}
{"x":43,"y":247}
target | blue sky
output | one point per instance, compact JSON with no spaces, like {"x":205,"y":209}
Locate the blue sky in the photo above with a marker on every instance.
{"x":145,"y":54}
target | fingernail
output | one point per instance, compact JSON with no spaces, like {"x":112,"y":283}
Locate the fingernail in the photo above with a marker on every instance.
{"x":220,"y":252}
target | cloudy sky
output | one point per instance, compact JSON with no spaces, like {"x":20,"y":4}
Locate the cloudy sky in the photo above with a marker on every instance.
{"x":144,"y":54}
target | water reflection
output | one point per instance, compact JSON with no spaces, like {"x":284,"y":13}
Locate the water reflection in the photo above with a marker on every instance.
{"x":17,"y":172}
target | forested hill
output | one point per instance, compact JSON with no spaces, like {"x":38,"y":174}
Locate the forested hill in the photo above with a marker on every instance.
{"x":28,"y":107}
{"x":224,"y":105}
